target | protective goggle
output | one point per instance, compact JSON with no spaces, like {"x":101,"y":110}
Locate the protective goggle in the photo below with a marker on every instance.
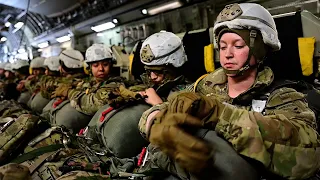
{"x":156,"y":72}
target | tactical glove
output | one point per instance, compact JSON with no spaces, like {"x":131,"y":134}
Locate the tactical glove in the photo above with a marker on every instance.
{"x":205,"y":108}
{"x":172,"y":127}
{"x":61,"y":91}
{"x":170,"y":135}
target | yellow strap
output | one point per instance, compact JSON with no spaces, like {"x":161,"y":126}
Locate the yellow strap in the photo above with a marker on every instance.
{"x":86,"y":69}
{"x":30,"y":70}
{"x":197,"y":82}
{"x":87,"y":91}
{"x":209,"y":58}
{"x":130,"y":62}
{"x":306,"y":51}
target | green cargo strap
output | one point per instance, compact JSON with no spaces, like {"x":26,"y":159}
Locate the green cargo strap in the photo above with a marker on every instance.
{"x":37,"y":152}
{"x":38,"y":162}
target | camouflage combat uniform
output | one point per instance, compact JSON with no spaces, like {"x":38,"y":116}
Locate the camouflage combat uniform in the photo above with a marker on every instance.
{"x":33,"y":85}
{"x":49,"y":84}
{"x":90,"y":96}
{"x":281,"y":136}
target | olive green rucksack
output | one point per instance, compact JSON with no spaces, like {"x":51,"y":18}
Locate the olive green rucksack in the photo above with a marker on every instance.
{"x":15,"y":133}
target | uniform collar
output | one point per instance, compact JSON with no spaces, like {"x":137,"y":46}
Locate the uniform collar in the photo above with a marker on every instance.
{"x":264,"y":78}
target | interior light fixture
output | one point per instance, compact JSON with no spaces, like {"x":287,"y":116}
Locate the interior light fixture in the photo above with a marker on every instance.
{"x":3,"y":39}
{"x":18,"y":25}
{"x":103,"y":27}
{"x":63,"y":39}
{"x":284,"y":15}
{"x":99,"y":34}
{"x":43,"y":45}
{"x":164,"y":7}
{"x":115,"y":21}
{"x":7,"y":24}
{"x":21,"y":50}
{"x":144,"y":11}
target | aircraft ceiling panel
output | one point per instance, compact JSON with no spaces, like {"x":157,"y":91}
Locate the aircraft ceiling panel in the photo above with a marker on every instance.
{"x":44,"y":7}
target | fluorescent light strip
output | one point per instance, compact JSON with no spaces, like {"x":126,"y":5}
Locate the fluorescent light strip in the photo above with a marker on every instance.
{"x":63,"y":39}
{"x":103,"y":27}
{"x":21,"y":50}
{"x":284,"y":15}
{"x":164,"y":7}
{"x":43,"y":45}
{"x":18,"y":25}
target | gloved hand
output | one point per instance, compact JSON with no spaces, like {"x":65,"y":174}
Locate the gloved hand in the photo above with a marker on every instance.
{"x":61,"y":91}
{"x":121,"y":96}
{"x":170,"y":130}
{"x":205,"y":108}
{"x":190,"y":152}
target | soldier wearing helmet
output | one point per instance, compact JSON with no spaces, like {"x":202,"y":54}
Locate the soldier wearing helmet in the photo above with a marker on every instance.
{"x":71,"y":62}
{"x":36,"y":72}
{"x":9,"y":76}
{"x":71,"y":69}
{"x":8,"y":71}
{"x":52,"y":65}
{"x":163,"y":55}
{"x":272,"y":128}
{"x":21,"y":69}
{"x":41,"y":96}
{"x":100,"y":59}
{"x":51,"y":80}
{"x":9,"y":84}
{"x":89,"y":96}
{"x":37,"y":66}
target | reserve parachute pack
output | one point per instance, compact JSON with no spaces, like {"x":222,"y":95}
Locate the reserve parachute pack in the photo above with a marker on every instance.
{"x":117,"y":130}
{"x":38,"y":102}
{"x":60,"y":113}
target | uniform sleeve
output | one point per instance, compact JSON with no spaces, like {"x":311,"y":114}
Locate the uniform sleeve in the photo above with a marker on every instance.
{"x":90,"y":103}
{"x":144,"y":126}
{"x":48,"y":85}
{"x":29,"y":85}
{"x":33,"y":84}
{"x":283,"y":139}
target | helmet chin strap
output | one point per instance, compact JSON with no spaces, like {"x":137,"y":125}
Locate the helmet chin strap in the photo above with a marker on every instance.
{"x":246,"y":66}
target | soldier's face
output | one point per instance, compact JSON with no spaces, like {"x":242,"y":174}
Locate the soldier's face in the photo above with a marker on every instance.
{"x":101,"y":69}
{"x":8,"y":74}
{"x":47,"y":72}
{"x":156,"y":76}
{"x":37,"y":71}
{"x":233,"y":52}
{"x":1,"y":71}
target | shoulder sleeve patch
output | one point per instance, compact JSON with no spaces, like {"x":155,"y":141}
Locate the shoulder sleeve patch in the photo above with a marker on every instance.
{"x":284,"y":95}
